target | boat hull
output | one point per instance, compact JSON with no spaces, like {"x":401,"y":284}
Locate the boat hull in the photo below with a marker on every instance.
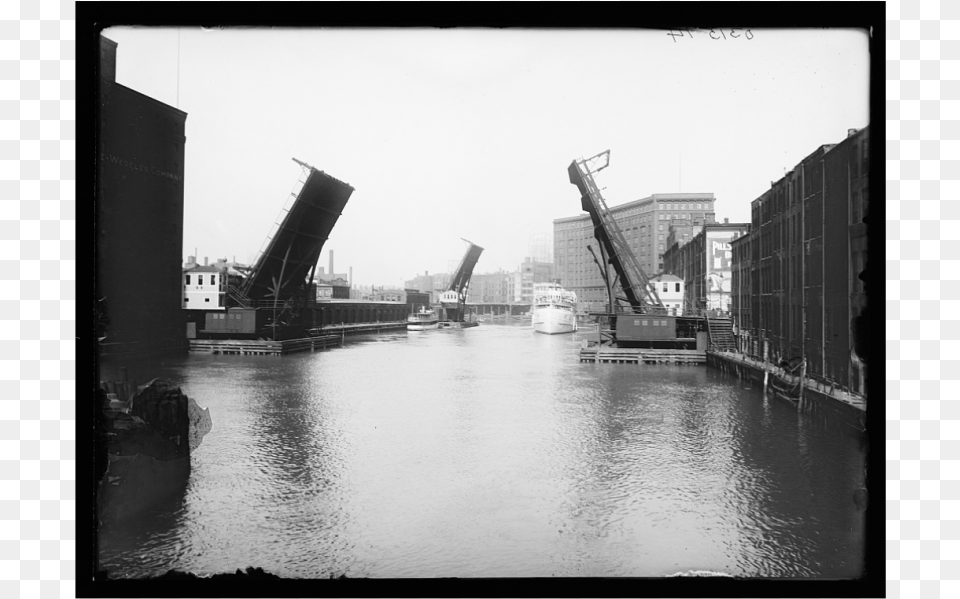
{"x":553,"y":321}
{"x":450,"y":324}
{"x":422,"y":326}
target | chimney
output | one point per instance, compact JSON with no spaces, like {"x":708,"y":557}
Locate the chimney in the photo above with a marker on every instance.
{"x":192,"y":260}
{"x":726,"y":221}
{"x":331,"y":263}
{"x":205,"y":260}
{"x":108,"y":59}
{"x":851,"y":132}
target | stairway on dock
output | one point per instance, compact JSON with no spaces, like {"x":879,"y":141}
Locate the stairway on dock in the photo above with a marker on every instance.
{"x":238,"y":296}
{"x":721,"y":334}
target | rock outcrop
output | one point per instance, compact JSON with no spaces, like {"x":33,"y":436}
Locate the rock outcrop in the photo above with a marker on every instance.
{"x":147,"y":448}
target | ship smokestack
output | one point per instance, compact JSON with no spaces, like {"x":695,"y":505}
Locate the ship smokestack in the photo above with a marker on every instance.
{"x":331,"y":263}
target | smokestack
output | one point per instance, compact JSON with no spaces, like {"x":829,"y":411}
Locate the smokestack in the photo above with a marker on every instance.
{"x":351,"y":277}
{"x":331,"y":263}
{"x":205,"y":260}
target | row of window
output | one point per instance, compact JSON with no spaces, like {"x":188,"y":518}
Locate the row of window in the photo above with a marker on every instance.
{"x":213,"y":279}
{"x":655,"y":323}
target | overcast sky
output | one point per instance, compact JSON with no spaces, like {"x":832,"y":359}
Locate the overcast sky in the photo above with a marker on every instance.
{"x":465,"y":133}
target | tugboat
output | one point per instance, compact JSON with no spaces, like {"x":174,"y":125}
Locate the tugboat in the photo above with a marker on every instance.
{"x":424,"y":319}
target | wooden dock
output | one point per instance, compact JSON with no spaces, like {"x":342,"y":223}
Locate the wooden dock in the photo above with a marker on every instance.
{"x":328,"y":336}
{"x":622,"y":355}
{"x":744,"y":367}
{"x":362,"y":327}
{"x":257,"y":347}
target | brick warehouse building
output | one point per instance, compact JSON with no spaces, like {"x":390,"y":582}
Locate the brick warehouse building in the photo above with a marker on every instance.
{"x":705,"y":265}
{"x":139,"y":215}
{"x":796,"y":274}
{"x":645,"y":224}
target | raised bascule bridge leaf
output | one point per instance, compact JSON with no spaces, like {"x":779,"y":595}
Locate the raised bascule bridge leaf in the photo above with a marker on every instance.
{"x":285,"y":268}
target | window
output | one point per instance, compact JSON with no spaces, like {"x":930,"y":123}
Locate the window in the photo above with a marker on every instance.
{"x":188,"y":279}
{"x":660,"y":227}
{"x":206,"y":299}
{"x":678,"y":289}
{"x":213,"y":279}
{"x":665,"y":287}
{"x":660,"y":238}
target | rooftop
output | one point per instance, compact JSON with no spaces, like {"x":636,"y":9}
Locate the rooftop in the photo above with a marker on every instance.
{"x":201,"y":269}
{"x":666,"y":277}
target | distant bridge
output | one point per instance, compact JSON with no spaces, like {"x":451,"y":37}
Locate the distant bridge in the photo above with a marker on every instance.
{"x":498,"y":309}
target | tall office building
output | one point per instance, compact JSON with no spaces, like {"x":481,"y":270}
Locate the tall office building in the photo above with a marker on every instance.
{"x":541,"y":248}
{"x":645,"y":224}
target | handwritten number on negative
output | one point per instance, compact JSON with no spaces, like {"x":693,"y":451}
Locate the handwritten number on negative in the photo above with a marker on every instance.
{"x":675,"y":33}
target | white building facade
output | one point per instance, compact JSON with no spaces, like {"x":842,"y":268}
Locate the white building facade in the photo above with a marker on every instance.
{"x":670,"y":289}
{"x":204,"y":288}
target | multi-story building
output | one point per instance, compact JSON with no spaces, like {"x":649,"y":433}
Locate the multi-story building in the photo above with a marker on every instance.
{"x":433,"y":284}
{"x":533,"y":271}
{"x":420,"y":282}
{"x":670,"y":289}
{"x":332,"y":288}
{"x":140,"y":165}
{"x":501,"y":287}
{"x":495,"y":288}
{"x":806,"y":248}
{"x":741,"y":288}
{"x":645,"y":226}
{"x":705,"y":266}
{"x":683,"y":230}
{"x":541,"y":248}
{"x":204,"y":287}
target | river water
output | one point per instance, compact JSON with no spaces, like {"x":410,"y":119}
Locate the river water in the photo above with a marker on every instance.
{"x":493,"y":451}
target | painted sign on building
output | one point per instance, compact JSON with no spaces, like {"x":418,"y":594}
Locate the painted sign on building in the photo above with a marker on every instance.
{"x":719,"y":268}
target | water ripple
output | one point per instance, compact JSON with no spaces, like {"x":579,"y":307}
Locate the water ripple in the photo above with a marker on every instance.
{"x":493,"y":451}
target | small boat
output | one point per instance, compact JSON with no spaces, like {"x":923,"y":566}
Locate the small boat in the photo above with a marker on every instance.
{"x":787,"y":382}
{"x":554,"y":309}
{"x":425,"y":318}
